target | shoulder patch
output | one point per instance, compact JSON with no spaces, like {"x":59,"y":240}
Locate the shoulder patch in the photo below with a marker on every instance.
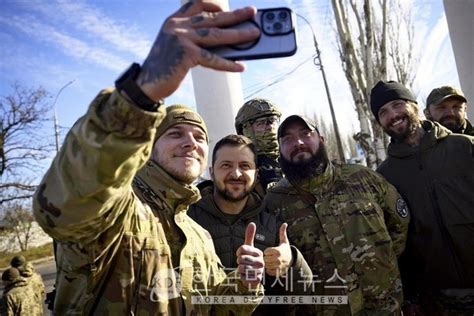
{"x":402,"y":208}
{"x":271,"y":185}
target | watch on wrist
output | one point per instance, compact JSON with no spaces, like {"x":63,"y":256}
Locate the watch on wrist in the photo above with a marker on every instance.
{"x":126,"y":82}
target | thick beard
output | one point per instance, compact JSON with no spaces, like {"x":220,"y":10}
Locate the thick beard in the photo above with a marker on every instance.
{"x":301,"y":170}
{"x":455,"y":126}
{"x":226,"y":195}
{"x":413,"y":122}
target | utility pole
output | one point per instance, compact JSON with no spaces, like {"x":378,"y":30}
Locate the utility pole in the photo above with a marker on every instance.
{"x":318,"y":62}
{"x":56,"y":125}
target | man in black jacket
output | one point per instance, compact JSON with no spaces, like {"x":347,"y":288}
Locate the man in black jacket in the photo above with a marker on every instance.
{"x":229,"y":204}
{"x":433,"y":169}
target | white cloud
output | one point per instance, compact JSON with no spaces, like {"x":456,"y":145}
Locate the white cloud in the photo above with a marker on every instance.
{"x":94,"y":23}
{"x":69,"y":45}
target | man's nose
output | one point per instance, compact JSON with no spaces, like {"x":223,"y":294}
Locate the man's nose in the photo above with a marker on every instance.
{"x":236,"y":172}
{"x":189,"y":141}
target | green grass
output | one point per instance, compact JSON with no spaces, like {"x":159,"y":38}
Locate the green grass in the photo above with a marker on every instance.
{"x":30,"y":254}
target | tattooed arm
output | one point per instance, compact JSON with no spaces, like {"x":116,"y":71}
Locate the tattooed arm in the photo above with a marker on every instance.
{"x":179,"y":45}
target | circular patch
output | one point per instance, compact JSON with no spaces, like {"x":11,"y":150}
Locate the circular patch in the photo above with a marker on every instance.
{"x":402,"y":208}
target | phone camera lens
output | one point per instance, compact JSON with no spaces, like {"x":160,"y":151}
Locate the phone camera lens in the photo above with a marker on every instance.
{"x":283,"y":15}
{"x":270,"y":16}
{"x":277,"y":26}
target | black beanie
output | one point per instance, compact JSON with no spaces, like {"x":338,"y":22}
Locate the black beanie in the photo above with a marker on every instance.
{"x":384,"y":92}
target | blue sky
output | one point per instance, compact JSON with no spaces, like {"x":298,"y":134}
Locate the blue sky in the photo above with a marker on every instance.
{"x":50,"y":43}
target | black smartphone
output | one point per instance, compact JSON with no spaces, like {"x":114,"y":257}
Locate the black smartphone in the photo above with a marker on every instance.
{"x":277,"y":36}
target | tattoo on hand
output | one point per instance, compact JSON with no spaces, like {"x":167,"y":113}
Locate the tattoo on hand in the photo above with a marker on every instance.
{"x":166,"y":54}
{"x":207,"y":54}
{"x":196,"y":19}
{"x":202,"y":32}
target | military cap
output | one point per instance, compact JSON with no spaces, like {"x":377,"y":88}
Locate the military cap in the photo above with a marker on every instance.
{"x":180,"y":114}
{"x":440,"y":94}
{"x":384,"y":92}
{"x":10,"y":275}
{"x":17,"y":261}
{"x":311,"y":124}
{"x":254,"y":109}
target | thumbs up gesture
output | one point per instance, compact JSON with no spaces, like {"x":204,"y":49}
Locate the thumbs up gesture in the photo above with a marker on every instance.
{"x":250,"y":259}
{"x":279,"y":259}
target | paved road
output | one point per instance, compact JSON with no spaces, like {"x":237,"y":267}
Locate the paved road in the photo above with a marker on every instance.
{"x":48,"y":273}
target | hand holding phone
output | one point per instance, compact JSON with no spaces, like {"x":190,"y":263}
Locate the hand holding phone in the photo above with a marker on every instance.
{"x":277,"y":36}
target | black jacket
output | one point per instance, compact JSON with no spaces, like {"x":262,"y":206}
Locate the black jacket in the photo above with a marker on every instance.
{"x":437,"y":181}
{"x":269,"y":171}
{"x":229,"y":237}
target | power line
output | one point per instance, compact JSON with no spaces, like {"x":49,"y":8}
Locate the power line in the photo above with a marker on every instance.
{"x":280,"y":79}
{"x":318,"y":62}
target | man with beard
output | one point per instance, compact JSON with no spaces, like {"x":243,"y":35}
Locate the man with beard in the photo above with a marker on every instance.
{"x":434,"y":171}
{"x":447,"y":106}
{"x":115,"y":197}
{"x":258,"y":120}
{"x":349,"y":223}
{"x":229,"y":204}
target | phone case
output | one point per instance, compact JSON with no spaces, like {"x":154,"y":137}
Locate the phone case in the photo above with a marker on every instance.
{"x":277,"y":37}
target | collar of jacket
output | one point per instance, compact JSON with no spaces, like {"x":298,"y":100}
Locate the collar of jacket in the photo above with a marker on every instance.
{"x":317,"y":185}
{"x":207,"y":203}
{"x":163,"y":188}
{"x":467,"y":129}
{"x":435,"y":132}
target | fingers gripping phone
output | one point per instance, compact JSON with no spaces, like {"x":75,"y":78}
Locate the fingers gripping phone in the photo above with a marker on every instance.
{"x":277,"y":36}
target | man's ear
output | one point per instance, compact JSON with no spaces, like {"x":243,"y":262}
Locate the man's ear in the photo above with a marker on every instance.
{"x":427,"y":114}
{"x":322,"y":139}
{"x":211,"y":173}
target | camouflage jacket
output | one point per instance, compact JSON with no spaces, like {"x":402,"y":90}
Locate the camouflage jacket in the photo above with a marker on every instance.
{"x":124,"y":250}
{"x":19,"y":299}
{"x":350,"y":224}
{"x":228,"y":235}
{"x":35,"y":281}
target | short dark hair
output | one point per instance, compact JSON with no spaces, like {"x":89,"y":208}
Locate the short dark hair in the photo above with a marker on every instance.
{"x":235,"y":141}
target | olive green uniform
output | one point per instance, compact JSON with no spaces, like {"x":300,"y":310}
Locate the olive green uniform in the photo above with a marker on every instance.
{"x":34,"y":281}
{"x":124,"y":250}
{"x":20,"y":299}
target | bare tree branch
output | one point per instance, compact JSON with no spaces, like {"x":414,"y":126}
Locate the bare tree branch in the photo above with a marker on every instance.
{"x":23,"y":117}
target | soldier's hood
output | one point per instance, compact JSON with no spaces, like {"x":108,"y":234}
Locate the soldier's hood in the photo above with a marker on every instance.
{"x":152,"y":182}
{"x":434,"y":133}
{"x":20,"y":282}
{"x":207,"y":204}
{"x":28,"y":270}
